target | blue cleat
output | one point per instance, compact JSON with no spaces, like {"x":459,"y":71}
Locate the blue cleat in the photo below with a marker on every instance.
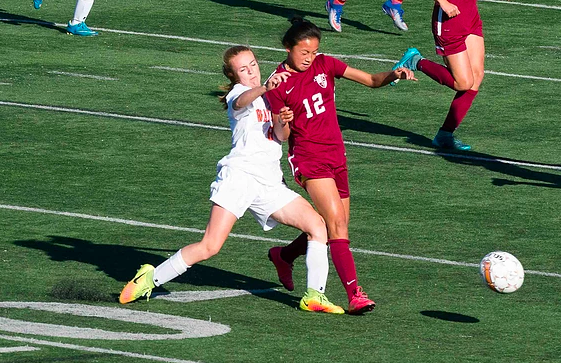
{"x":37,"y":4}
{"x":80,"y":29}
{"x":446,"y":140}
{"x":395,"y":12}
{"x":334,"y":13}
{"x":410,"y":59}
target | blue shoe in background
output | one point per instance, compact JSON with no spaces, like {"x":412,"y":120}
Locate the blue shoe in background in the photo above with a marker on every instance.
{"x":80,"y":29}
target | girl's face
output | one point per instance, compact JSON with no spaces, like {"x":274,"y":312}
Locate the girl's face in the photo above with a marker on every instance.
{"x":246,"y":69}
{"x":301,"y":56}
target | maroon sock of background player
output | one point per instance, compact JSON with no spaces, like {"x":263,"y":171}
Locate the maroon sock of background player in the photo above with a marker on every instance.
{"x":437,"y":72}
{"x":458,"y":109}
{"x":344,"y":262}
{"x":296,"y":248}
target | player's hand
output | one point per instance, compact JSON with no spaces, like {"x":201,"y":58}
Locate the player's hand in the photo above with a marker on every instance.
{"x":286,"y":115}
{"x":450,"y":9}
{"x":404,"y":73}
{"x":276,"y":80}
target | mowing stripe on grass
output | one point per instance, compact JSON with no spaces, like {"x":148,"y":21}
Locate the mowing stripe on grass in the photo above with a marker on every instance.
{"x":18,"y":349}
{"x":185,"y":70}
{"x":372,"y":146}
{"x":216,"y":42}
{"x":248,"y":237}
{"x":353,"y":143}
{"x":93,"y":349}
{"x":523,"y":4}
{"x":80,"y":75}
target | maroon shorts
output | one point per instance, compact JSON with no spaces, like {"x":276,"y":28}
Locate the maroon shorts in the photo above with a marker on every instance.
{"x":306,"y":168}
{"x":450,"y":33}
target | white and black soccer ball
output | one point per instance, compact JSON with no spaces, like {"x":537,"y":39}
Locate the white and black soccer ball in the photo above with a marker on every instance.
{"x":502,"y":272}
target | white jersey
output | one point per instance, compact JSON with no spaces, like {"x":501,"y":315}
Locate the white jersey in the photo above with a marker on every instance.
{"x":255,"y":149}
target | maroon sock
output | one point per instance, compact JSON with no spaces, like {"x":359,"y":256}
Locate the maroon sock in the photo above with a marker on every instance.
{"x":458,"y":109}
{"x":296,"y":248}
{"x":436,"y":71}
{"x":344,"y":262}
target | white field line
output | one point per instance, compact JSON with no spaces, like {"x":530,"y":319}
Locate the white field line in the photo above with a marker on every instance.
{"x":185,"y":70}
{"x":523,"y":4}
{"x":5,"y":84}
{"x":249,"y":237}
{"x":522,"y":76}
{"x":549,"y":47}
{"x":192,"y":124}
{"x":115,"y":115}
{"x":18,"y":349}
{"x":457,"y":156}
{"x":216,"y":42}
{"x":80,"y":75}
{"x":93,"y":349}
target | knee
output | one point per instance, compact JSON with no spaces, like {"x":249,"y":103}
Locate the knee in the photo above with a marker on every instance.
{"x":207,"y":250}
{"x":317,"y":230}
{"x":464,"y":85}
{"x":478,"y":79}
{"x":337,"y":228}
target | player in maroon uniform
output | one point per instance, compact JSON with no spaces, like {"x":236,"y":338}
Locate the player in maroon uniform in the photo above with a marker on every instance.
{"x":458,"y":36}
{"x":316,"y":152}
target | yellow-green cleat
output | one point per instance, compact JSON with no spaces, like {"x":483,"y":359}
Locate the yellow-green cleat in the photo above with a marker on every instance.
{"x":314,"y":300}
{"x":141,"y":285}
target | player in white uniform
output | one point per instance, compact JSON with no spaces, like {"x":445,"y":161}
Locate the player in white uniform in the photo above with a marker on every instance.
{"x":249,"y":178}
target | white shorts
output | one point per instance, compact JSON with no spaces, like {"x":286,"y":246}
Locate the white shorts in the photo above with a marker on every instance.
{"x":237,"y":191}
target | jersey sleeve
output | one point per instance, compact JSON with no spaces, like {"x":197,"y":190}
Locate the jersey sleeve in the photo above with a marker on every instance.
{"x":233,"y":95}
{"x":274,"y":99}
{"x":338,"y":67}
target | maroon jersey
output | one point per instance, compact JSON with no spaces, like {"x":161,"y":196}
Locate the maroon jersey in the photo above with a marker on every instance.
{"x":314,"y":132}
{"x":468,"y":22}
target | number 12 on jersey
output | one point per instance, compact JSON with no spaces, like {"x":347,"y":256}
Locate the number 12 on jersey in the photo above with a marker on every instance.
{"x":318,"y":105}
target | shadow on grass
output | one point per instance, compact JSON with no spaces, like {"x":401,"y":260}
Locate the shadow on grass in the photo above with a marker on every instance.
{"x":288,"y":13}
{"x":505,"y":166}
{"x":455,"y":317}
{"x":121,"y":263}
{"x":15,"y":19}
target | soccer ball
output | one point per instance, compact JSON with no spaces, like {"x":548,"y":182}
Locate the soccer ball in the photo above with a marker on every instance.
{"x":502,"y":272}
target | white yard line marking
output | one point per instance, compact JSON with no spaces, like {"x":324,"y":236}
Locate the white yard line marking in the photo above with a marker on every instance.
{"x":523,"y":4}
{"x":522,"y":76}
{"x":186,"y":70}
{"x":190,"y":296}
{"x":458,"y":156}
{"x":184,"y":327}
{"x":549,"y":47}
{"x":93,"y":349}
{"x":80,"y":75}
{"x":115,"y":115}
{"x":372,"y":146}
{"x":248,"y":237}
{"x":342,"y":56}
{"x":5,"y":84}
{"x":18,"y":349}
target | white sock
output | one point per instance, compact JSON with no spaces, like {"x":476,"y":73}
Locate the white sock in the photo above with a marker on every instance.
{"x":318,"y":265}
{"x":170,"y":269}
{"x":81,"y":11}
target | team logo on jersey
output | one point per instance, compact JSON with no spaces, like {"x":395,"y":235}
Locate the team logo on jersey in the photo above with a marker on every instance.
{"x":321,"y":79}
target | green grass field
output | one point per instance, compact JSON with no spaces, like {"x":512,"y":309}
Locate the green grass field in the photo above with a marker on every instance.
{"x":100,"y":175}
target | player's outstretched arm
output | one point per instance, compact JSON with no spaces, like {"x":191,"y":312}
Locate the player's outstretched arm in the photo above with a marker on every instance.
{"x":250,"y":95}
{"x":378,"y":79}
